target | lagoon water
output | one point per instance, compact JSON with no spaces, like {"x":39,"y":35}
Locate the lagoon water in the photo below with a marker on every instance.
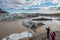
{"x":54,"y":25}
{"x":10,"y":27}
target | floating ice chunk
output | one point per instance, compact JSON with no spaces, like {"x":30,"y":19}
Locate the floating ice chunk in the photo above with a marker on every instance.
{"x":18,"y":36}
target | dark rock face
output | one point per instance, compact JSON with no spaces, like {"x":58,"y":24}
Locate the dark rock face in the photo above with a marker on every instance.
{"x":2,"y":11}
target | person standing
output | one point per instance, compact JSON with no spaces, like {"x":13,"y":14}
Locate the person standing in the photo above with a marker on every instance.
{"x":53,"y":36}
{"x":48,"y":32}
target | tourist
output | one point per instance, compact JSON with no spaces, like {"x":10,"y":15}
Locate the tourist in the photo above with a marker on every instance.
{"x":48,"y":32}
{"x":53,"y":36}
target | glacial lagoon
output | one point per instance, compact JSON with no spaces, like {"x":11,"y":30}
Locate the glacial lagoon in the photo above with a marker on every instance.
{"x":10,"y":27}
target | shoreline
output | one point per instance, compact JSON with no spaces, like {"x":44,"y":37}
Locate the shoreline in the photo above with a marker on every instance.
{"x":10,"y":27}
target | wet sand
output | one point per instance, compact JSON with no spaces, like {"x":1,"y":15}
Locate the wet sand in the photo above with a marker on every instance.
{"x":9,"y":27}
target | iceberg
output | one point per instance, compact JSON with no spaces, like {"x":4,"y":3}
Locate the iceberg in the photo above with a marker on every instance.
{"x":18,"y":36}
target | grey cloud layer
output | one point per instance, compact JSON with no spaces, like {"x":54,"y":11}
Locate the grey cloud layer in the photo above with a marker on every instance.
{"x":19,"y":4}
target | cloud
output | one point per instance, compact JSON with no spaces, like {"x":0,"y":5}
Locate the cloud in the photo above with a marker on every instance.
{"x":55,"y":1}
{"x":20,"y":2}
{"x":23,"y":4}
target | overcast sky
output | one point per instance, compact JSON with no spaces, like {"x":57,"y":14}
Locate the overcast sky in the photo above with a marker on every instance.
{"x":34,"y":6}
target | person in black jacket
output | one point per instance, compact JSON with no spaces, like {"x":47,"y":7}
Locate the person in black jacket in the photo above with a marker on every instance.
{"x":48,"y":32}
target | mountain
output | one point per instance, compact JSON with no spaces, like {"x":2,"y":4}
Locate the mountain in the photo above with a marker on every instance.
{"x":2,"y":11}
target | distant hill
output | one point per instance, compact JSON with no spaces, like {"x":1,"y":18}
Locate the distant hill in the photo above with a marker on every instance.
{"x":2,"y":11}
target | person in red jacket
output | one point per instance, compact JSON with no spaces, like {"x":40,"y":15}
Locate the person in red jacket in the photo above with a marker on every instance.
{"x":53,"y":34}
